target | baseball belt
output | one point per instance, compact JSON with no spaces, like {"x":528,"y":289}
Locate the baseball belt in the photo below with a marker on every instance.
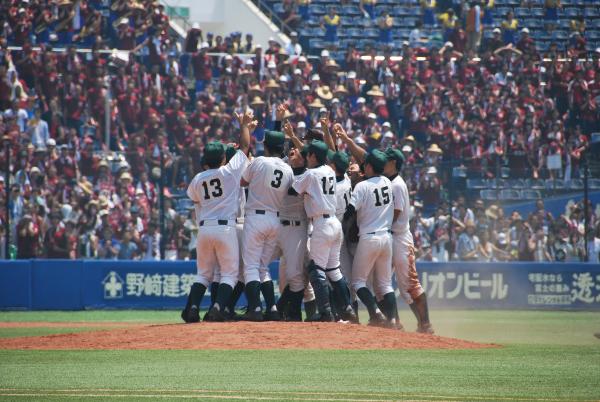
{"x":263,"y":212}
{"x":286,"y":222}
{"x":213,"y":222}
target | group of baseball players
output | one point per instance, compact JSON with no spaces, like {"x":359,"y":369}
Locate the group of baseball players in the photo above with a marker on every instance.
{"x":339,"y":229}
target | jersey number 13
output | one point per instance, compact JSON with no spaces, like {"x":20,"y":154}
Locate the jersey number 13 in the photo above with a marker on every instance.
{"x":215,"y":186}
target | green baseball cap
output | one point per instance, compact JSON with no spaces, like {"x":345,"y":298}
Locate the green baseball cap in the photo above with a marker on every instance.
{"x":339,"y":159}
{"x":377,"y":160}
{"x":229,"y":152}
{"x":319,"y":148}
{"x":304,"y":151}
{"x":395,"y":155}
{"x":274,"y":138}
{"x":213,"y":152}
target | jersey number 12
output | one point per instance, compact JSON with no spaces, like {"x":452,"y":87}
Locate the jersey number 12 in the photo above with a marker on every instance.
{"x":324,"y":182}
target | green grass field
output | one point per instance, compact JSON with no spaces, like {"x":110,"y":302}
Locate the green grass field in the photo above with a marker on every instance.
{"x":546,"y":356}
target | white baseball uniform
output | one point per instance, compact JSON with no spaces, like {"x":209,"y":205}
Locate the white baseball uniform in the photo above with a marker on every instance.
{"x":373,"y":201}
{"x":403,"y":258}
{"x":318,"y":186}
{"x":292,"y":239}
{"x":268,"y":181}
{"x":216,"y":193}
{"x":343,"y":193}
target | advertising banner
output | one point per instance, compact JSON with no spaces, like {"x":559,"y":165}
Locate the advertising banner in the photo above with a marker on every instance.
{"x":77,"y":285}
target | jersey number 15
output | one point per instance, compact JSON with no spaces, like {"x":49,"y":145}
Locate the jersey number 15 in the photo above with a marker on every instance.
{"x":381,"y":194}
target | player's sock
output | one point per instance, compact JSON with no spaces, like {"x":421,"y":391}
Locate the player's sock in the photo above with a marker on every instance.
{"x":390,"y":306}
{"x":223,"y":295}
{"x":368,"y":300}
{"x":295,"y":305}
{"x":268,"y":291}
{"x":253,"y":295}
{"x":310,"y":308}
{"x":284,"y":301}
{"x":214,"y":289}
{"x":235,"y":296}
{"x":342,"y":292}
{"x":196,"y":294}
{"x":355,"y":308}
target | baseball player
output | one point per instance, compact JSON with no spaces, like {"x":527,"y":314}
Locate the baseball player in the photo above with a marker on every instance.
{"x":404,"y":253}
{"x":215,"y":193}
{"x":268,"y":179}
{"x":372,"y":201}
{"x":403,"y":259}
{"x":318,"y":186}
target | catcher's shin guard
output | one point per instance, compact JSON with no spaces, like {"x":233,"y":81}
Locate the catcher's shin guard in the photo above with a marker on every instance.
{"x":318,"y":280}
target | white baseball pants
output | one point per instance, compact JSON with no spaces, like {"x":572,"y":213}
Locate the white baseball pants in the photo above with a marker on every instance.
{"x":325,"y":244}
{"x":403,"y":260}
{"x":259,"y":241}
{"x":217,"y":246}
{"x":373,"y":254}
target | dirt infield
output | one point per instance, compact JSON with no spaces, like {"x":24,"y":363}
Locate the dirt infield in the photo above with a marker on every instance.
{"x":239,"y":335}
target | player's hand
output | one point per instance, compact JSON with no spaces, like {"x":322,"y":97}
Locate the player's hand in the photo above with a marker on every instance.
{"x":340,"y":132}
{"x":288,"y":130}
{"x":280,"y":112}
{"x":252,"y":125}
{"x":324,"y":122}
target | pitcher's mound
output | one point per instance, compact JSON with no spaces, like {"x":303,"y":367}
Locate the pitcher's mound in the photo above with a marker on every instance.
{"x":242,"y":335}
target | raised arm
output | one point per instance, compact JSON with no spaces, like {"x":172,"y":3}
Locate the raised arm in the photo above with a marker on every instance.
{"x":247,"y":125}
{"x":355,"y":150}
{"x":288,"y":130}
{"x":326,"y":134}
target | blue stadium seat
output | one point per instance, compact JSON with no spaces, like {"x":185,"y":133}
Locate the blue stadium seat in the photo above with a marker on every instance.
{"x":531,"y":194}
{"x":594,"y":184}
{"x":317,"y":9}
{"x":574,"y":184}
{"x":488,"y":195}
{"x":522,"y":12}
{"x":476,"y":184}
{"x":572,"y":12}
{"x":516,"y":184}
{"x":508,"y":194}
{"x":555,"y":184}
{"x":591,"y":13}
{"x":350,"y":10}
{"x":538,"y":12}
{"x":535,"y":184}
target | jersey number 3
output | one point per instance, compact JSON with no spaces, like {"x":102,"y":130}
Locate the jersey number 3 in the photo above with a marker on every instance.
{"x":217,"y":190}
{"x":385,"y":196}
{"x":276,"y":183}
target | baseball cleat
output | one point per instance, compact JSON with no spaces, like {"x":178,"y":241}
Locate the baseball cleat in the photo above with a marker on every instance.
{"x":272,"y":316}
{"x":190,"y":315}
{"x":597,"y":335}
{"x":318,"y":317}
{"x":425,"y":329}
{"x":256,"y":316}
{"x":349,"y":315}
{"x":379,"y":320}
{"x":215,"y":315}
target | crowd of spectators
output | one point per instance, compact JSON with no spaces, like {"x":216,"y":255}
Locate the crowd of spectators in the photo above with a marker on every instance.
{"x":73,"y":195}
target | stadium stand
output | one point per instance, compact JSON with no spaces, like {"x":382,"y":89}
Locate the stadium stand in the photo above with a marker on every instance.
{"x":102,"y":142}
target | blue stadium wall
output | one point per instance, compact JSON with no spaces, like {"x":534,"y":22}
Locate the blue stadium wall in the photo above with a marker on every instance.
{"x":79,"y":285}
